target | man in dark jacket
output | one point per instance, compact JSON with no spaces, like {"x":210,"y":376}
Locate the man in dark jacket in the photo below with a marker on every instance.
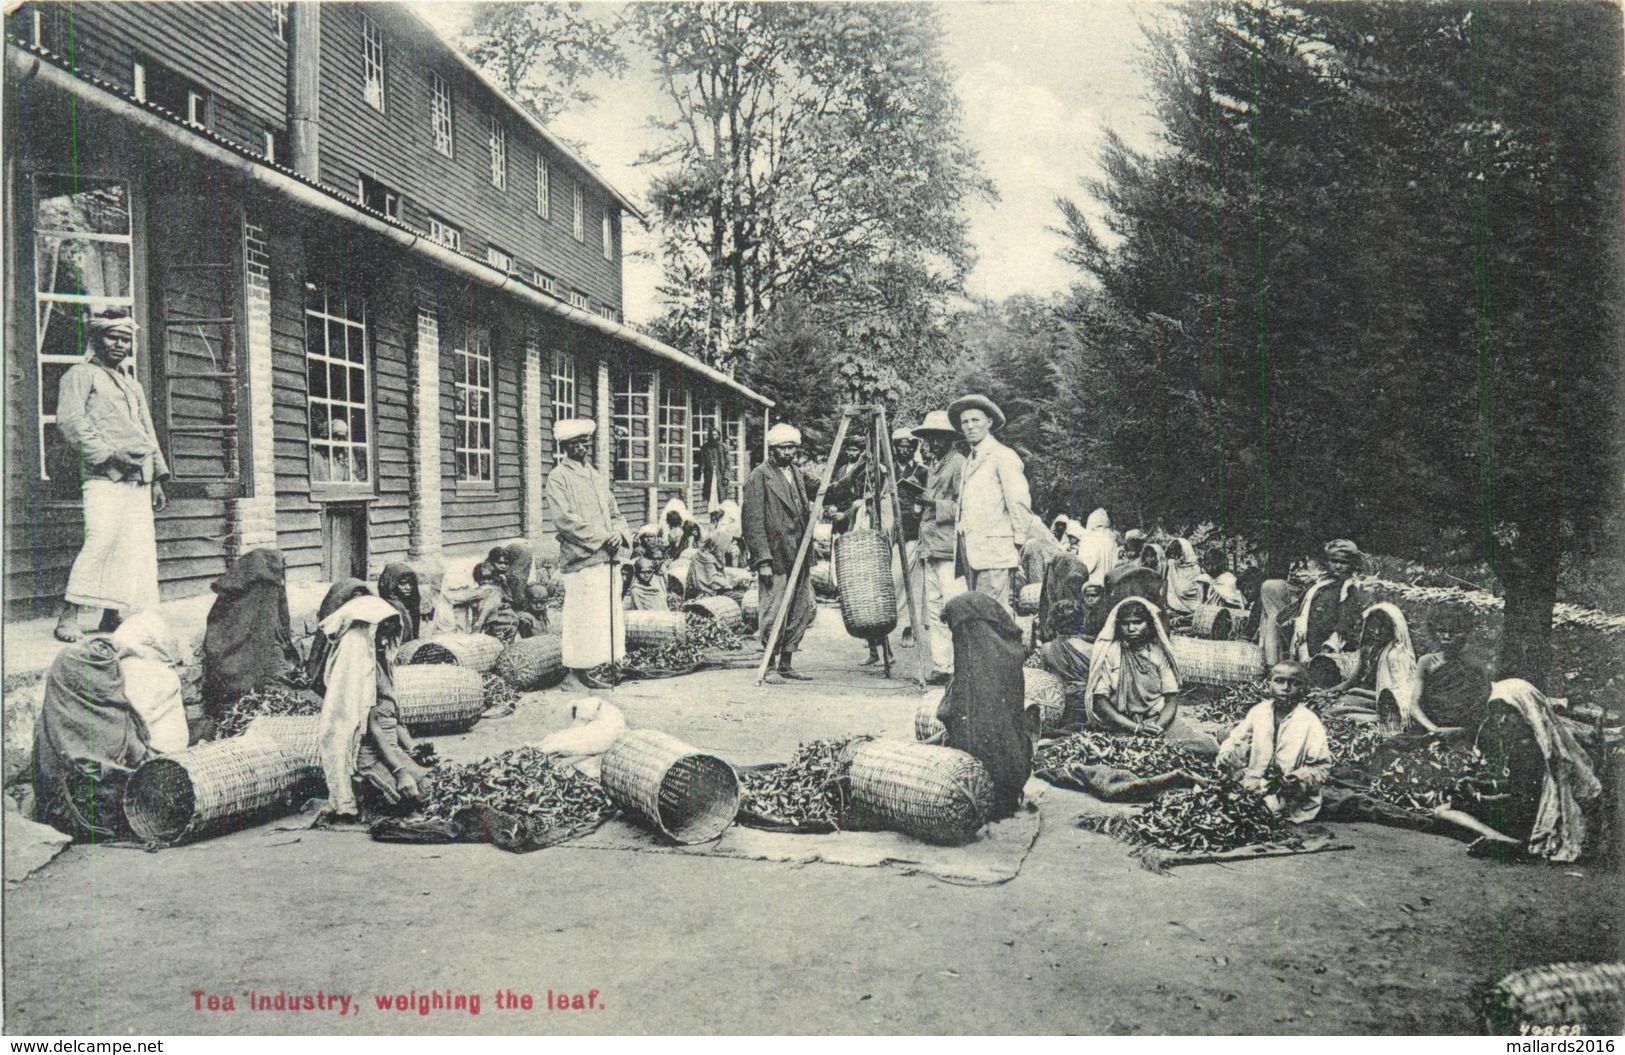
{"x":778,"y":505}
{"x":939,"y":508}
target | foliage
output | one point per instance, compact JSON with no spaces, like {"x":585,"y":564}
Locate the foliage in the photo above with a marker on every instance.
{"x":541,"y":53}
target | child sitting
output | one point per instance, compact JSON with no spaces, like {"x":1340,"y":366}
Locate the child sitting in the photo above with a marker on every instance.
{"x":1280,"y":748}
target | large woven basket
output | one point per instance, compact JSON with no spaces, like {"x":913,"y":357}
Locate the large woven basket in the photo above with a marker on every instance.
{"x":1589,"y":996}
{"x":720,"y":610}
{"x":868,"y":595}
{"x":1330,"y":668}
{"x":223,"y":785}
{"x":299,"y":733}
{"x":1027,"y":599}
{"x":926,"y":726}
{"x":1046,"y":692}
{"x":687,"y":795}
{"x":935,"y":794}
{"x":823,"y":579}
{"x":1214,"y":621}
{"x":655,"y":629}
{"x":439,"y":698}
{"x":1217,"y":663}
{"x":532,"y":663}
{"x":477,"y":652}
{"x":750,"y":608}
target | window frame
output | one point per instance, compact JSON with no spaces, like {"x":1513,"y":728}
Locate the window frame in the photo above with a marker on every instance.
{"x":497,"y":141}
{"x":444,"y":234}
{"x":634,"y":385}
{"x":544,"y":188}
{"x":339,"y":490}
{"x":279,"y":19}
{"x":673,"y":441}
{"x":566,"y":378}
{"x":442,"y":119}
{"x":468,"y":355}
{"x":499,"y":259}
{"x":578,"y":221}
{"x":372,"y":64}
{"x":609,"y":237}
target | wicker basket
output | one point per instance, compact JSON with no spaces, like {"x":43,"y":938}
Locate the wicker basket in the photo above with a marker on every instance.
{"x":1027,"y":599}
{"x":926,"y":726}
{"x":689,"y":796}
{"x":720,"y":610}
{"x":477,"y":652}
{"x":868,"y":597}
{"x":655,"y":629}
{"x":1046,"y":692}
{"x":750,"y":609}
{"x":1213,"y":621}
{"x":677,"y":577}
{"x":1330,"y":668}
{"x":1590,"y":996}
{"x":935,"y":794}
{"x":823,"y":579}
{"x":532,"y":663}
{"x":299,"y":734}
{"x":439,"y":698}
{"x":215,"y":787}
{"x":1217,"y":663}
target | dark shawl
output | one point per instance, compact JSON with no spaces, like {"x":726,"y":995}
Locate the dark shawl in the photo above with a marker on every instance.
{"x":982,"y":708}
{"x":338,"y":595}
{"x":248,"y":644}
{"x":1122,"y":583}
{"x":1062,"y":593}
{"x":392,"y":587}
{"x":1456,"y":692}
{"x":85,"y":716}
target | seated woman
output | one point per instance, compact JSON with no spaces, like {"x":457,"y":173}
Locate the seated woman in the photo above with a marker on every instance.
{"x":677,"y":531}
{"x":1134,"y":679}
{"x":1384,"y":682}
{"x":360,"y":735}
{"x":982,"y":708}
{"x":248,"y":642}
{"x":466,"y":605}
{"x":647,"y":591}
{"x":338,"y":595}
{"x":87,"y":740}
{"x":707,"y":574}
{"x":398,"y":584}
{"x":1549,"y":774}
{"x":1279,"y":750}
{"x":1456,"y":679}
{"x":151,"y":660}
{"x":1219,"y":586}
{"x":1181,"y":578}
{"x":1060,"y":600}
{"x":508,"y":568}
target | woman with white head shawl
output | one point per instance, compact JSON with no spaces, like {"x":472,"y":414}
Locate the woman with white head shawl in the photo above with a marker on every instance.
{"x":151,"y":660}
{"x":1133,"y":676}
{"x":1181,"y":578}
{"x":1097,"y":547}
{"x":1388,"y":664}
{"x":1549,"y":774}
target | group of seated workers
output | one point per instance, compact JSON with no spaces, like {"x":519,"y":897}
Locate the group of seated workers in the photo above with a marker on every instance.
{"x":677,"y":543}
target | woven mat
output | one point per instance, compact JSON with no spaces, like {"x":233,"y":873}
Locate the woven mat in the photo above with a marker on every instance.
{"x":995,"y":857}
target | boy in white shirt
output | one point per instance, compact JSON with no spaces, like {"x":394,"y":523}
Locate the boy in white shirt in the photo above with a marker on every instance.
{"x":1280,"y":748}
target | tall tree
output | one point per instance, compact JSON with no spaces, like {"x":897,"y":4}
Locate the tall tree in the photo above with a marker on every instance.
{"x":541,"y":53}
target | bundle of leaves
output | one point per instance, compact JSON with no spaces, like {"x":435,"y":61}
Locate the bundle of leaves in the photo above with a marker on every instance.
{"x":499,"y":693}
{"x":1437,"y":775}
{"x":264,"y":703}
{"x":1144,"y":756}
{"x":707,"y":635}
{"x":704,"y":635}
{"x":1222,"y":706}
{"x":810,"y":792}
{"x":1203,"y":820}
{"x":523,"y":783}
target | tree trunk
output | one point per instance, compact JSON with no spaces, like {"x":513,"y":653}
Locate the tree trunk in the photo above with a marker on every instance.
{"x":1529,"y":579}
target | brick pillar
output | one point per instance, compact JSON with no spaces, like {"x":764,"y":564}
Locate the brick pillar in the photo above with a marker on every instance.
{"x":533,"y":471}
{"x":606,"y":420}
{"x":424,"y":538}
{"x":253,"y":516}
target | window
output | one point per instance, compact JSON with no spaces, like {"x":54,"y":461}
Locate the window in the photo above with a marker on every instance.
{"x":545,"y":282}
{"x":440,"y":113}
{"x":154,"y":84}
{"x":197,"y":108}
{"x":270,"y":146}
{"x":37,"y":28}
{"x":444,"y":233}
{"x":82,"y":264}
{"x":336,"y":372}
{"x":544,"y":204}
{"x":476,"y":418}
{"x":379,"y":198}
{"x":634,"y":462}
{"x":733,"y":427}
{"x":579,"y":223}
{"x":564,"y":386}
{"x":579,"y":299}
{"x":704,"y":421}
{"x":372,"y":63}
{"x":609,"y":238}
{"x":499,"y":154}
{"x":498,"y":259}
{"x":674,"y":445}
{"x":279,"y":19}
{"x":138,"y":82}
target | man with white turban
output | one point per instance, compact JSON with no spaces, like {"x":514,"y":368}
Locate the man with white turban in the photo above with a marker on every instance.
{"x":592,"y":534}
{"x":103,"y":415}
{"x":779,"y":500}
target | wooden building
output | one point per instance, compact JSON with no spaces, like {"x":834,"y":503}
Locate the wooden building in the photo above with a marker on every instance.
{"x":368,"y":283}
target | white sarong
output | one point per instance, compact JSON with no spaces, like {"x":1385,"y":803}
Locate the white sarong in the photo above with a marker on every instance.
{"x":118,"y":566}
{"x":594,"y":624}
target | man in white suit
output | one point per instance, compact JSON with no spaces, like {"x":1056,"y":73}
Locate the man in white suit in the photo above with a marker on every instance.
{"x":994,"y":503}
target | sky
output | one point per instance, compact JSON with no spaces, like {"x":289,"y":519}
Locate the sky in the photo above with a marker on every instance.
{"x":1039,"y":81}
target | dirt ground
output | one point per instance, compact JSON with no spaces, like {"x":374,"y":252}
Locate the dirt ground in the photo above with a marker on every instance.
{"x":1404,"y":934}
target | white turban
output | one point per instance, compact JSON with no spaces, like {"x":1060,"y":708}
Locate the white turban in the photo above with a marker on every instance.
{"x":782,"y":433}
{"x":573,"y":429}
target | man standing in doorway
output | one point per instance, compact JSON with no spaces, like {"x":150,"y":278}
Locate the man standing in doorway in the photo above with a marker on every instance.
{"x":777,"y":509}
{"x":994,"y":504}
{"x":103,"y":415}
{"x":939,"y":512}
{"x":592,"y":533}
